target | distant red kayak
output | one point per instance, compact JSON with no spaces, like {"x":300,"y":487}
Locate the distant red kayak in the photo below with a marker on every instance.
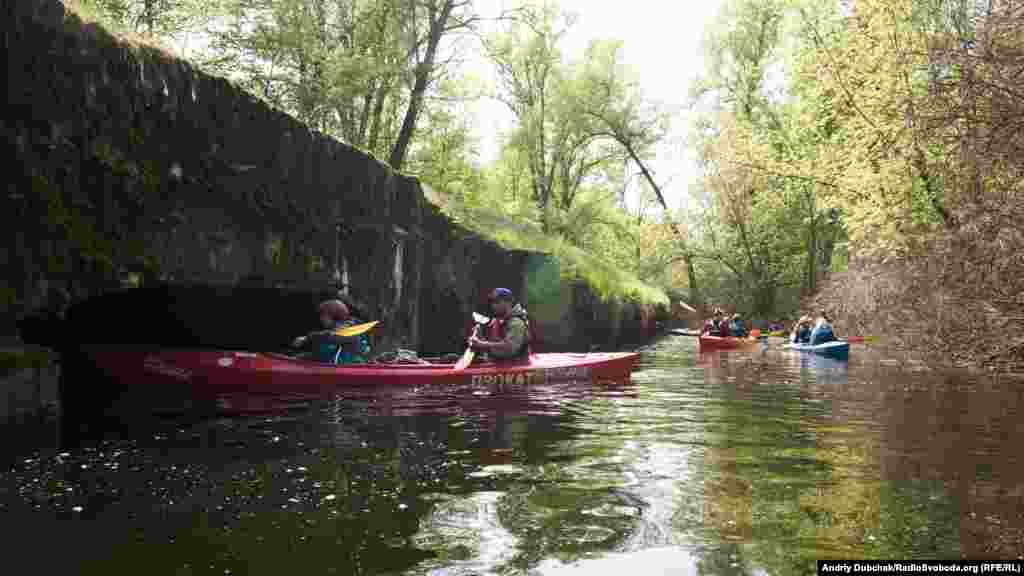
{"x":224,"y":371}
{"x":726,"y":343}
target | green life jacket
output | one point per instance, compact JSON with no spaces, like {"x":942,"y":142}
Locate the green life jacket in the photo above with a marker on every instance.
{"x":333,"y":353}
{"x":496,"y":332}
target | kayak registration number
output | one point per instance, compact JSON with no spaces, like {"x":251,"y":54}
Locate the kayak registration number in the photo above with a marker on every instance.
{"x":532,"y":377}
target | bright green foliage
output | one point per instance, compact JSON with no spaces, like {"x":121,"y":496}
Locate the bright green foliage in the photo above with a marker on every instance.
{"x":759,"y":224}
{"x":443,"y":155}
{"x":560,"y":176}
{"x":741,"y":48}
{"x":531,"y":76}
{"x":607,"y":277}
{"x":159,"y":18}
{"x":334,"y":65}
{"x":365,"y":71}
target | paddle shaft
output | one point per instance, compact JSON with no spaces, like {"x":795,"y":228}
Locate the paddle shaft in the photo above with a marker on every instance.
{"x":468,"y":355}
{"x":466,"y":360}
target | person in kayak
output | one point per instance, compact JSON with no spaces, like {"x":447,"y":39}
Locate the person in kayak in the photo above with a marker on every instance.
{"x":507,"y":336}
{"x":724,"y":324}
{"x":822,"y":332}
{"x":737,"y":327}
{"x":330,"y":348}
{"x":712,"y":326}
{"x":717,"y":325}
{"x":802,"y":331}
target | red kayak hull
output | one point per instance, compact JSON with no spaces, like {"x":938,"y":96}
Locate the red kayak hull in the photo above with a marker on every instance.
{"x":726,"y":343}
{"x":225,"y":371}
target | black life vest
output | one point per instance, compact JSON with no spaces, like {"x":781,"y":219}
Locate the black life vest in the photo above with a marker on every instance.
{"x":714,"y":328}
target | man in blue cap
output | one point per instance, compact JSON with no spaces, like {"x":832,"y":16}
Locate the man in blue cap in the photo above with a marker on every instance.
{"x":507,"y":336}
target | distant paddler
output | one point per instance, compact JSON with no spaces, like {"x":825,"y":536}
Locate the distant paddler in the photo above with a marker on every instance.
{"x":822,"y":331}
{"x":716,"y":325}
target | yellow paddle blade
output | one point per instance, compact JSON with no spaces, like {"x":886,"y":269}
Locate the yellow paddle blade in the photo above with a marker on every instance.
{"x":357,"y":329}
{"x":466,"y":360}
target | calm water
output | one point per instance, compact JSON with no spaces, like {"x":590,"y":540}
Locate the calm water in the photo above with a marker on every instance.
{"x":731,"y":463}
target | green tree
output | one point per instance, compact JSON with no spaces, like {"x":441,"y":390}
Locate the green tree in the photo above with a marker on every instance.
{"x":443,"y":156}
{"x":361,"y":70}
{"x":570,"y":119}
{"x":529,"y":67}
{"x":750,"y":128}
{"x":159,"y":18}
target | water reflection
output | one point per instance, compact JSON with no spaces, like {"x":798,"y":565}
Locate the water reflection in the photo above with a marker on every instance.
{"x":652,"y":561}
{"x":723,"y":463}
{"x":826,"y":371}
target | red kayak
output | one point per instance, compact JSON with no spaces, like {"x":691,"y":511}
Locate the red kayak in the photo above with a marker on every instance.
{"x":726,"y":343}
{"x":213,"y":371}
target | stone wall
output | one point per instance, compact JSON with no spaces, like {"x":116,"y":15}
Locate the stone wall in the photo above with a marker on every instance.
{"x":124,"y":162}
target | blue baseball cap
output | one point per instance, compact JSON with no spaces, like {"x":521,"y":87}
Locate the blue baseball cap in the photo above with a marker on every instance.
{"x":501,"y":294}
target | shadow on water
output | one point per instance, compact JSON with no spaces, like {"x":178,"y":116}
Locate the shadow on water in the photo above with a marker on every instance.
{"x":725,"y":463}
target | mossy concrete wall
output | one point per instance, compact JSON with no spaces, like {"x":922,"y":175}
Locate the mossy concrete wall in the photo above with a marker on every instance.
{"x":569,"y":315}
{"x":123,"y":162}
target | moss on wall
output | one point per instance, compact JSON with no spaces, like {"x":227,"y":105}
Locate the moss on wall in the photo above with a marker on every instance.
{"x":13,"y":361}
{"x":137,"y":166}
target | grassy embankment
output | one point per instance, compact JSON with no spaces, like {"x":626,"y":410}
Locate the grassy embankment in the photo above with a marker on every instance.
{"x":606,"y":279}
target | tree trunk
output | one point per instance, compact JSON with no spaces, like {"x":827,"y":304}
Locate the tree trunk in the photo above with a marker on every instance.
{"x":319,"y":117}
{"x":828,"y":246}
{"x":812,"y":255}
{"x":423,"y":72}
{"x":149,"y":11}
{"x":691,"y":275}
{"x":378,"y":113}
{"x":359,"y":131}
{"x":690,"y":272}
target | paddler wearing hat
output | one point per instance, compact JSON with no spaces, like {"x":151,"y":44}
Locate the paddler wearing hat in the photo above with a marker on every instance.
{"x":507,"y":335}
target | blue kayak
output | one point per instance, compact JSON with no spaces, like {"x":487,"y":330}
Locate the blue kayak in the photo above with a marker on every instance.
{"x":833,"y":349}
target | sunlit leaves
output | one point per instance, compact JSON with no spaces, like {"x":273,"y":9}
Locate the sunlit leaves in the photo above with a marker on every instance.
{"x":443,"y":156}
{"x":159,"y":18}
{"x":874,"y":74}
{"x":867,"y":126}
{"x":578,"y":124}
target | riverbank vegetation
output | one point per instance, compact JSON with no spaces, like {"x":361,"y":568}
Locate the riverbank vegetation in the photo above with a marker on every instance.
{"x":866,"y":157}
{"x":859,"y":156}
